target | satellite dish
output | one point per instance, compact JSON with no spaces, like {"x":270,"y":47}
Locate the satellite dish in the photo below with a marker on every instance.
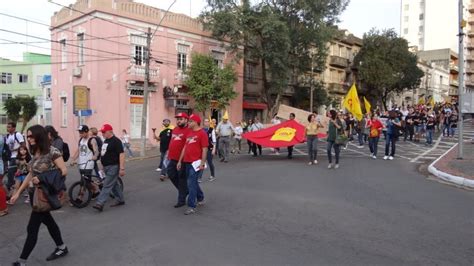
{"x":175,"y":89}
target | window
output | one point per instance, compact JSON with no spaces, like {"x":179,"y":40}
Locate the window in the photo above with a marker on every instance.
{"x":6,"y":78}
{"x":63,"y":47}
{"x":405,"y":18}
{"x":48,"y":93}
{"x":422,"y":16}
{"x":420,"y":29}
{"x":218,"y":58}
{"x":80,"y":44}
{"x":250,"y":72}
{"x":406,"y":7}
{"x":342,"y":51}
{"x":6,"y":96}
{"x":139,"y":55}
{"x":22,"y":78}
{"x":405,"y":31}
{"x":63,"y":112}
{"x":3,"y":119}
{"x":182,"y":56}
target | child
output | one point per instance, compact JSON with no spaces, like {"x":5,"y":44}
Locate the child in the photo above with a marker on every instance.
{"x":22,"y":161}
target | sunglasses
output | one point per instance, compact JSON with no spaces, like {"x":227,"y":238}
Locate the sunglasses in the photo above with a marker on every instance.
{"x":29,"y":136}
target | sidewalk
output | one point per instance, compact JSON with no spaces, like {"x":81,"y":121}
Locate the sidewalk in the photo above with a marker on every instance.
{"x":450,"y":169}
{"x":151,"y":152}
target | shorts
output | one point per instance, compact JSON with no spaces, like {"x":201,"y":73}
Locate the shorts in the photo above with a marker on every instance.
{"x":20,"y":178}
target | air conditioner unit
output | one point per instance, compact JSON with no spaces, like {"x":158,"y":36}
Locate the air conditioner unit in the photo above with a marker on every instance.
{"x":77,"y":72}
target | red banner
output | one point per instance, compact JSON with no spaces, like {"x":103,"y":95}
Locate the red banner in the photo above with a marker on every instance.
{"x":286,"y":134}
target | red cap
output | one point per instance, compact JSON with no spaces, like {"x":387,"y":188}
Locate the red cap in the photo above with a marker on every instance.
{"x":195,"y":118}
{"x":181,"y":115}
{"x":105,"y":128}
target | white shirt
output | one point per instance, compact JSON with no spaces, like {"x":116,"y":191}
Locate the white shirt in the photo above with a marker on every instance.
{"x":238,"y":132}
{"x":85,"y":155}
{"x":256,"y":126}
{"x":125,"y":138}
{"x":276,"y":121}
{"x":14,"y":144}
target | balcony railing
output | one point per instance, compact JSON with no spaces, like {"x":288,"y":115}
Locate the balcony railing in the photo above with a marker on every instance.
{"x":453,"y":67}
{"x":180,"y":77}
{"x":338,"y":61}
{"x":138,"y":72}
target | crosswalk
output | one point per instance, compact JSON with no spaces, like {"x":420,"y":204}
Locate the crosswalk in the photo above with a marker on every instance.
{"x":412,"y":152}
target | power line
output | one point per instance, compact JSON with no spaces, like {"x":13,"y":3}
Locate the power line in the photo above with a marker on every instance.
{"x":68,"y":62}
{"x":86,"y":34}
{"x":66,"y":43}
{"x":88,"y":14}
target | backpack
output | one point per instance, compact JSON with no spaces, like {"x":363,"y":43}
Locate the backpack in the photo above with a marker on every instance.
{"x":7,"y":153}
{"x":66,"y":152}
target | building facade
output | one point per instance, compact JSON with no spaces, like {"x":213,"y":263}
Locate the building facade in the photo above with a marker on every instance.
{"x":429,"y":24}
{"x":101,"y":46}
{"x":23,"y":78}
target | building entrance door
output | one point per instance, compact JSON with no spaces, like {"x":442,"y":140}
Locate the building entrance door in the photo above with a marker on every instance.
{"x":136,"y":112}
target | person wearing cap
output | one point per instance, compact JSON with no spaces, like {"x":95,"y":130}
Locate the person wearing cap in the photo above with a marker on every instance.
{"x":164,"y":138}
{"x":113,"y":162}
{"x":86,"y":155}
{"x":193,"y":161}
{"x":178,"y":140}
{"x":225,"y":129}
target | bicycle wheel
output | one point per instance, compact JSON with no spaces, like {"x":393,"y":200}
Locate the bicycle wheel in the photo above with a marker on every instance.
{"x":79,"y":194}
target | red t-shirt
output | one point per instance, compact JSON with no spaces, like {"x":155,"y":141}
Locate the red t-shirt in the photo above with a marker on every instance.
{"x":178,"y":140}
{"x":196,"y":141}
{"x":375,"y":127}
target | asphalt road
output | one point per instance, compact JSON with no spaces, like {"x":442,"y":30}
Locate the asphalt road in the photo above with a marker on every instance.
{"x":268,"y":211}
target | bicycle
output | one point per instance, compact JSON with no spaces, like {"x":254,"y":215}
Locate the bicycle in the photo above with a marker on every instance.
{"x":82,"y":192}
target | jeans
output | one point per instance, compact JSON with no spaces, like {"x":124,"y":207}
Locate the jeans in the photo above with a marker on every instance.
{"x":224,"y":146}
{"x":360,"y":138}
{"x":290,"y":151}
{"x":111,"y":185}
{"x":390,"y":141}
{"x":337,"y":150}
{"x":452,"y":130}
{"x":178,"y":178}
{"x":195,"y":192}
{"x":409,"y":132}
{"x":446,"y":129}
{"x":36,"y":219}
{"x":162,"y":158}
{"x":126,"y":146}
{"x":373,"y":145}
{"x":12,"y":168}
{"x":209,"y":162}
{"x":429,"y":136}
{"x":237,"y":145}
{"x":312,"y":142}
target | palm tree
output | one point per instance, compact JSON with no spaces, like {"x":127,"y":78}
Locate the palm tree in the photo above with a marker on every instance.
{"x":12,"y":107}
{"x":29,"y":109}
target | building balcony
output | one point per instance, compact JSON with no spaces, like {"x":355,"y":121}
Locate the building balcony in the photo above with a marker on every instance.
{"x":471,"y":8}
{"x":453,"y":68}
{"x":453,"y":82}
{"x":470,"y":58}
{"x":469,"y":70}
{"x":252,"y":90}
{"x":177,"y":92}
{"x":137,"y":72}
{"x":338,"y":61}
{"x":180,"y":77}
{"x":471,"y":21}
{"x":470,"y":33}
{"x":336,"y":88}
{"x":289,"y":91}
{"x":470,"y":45}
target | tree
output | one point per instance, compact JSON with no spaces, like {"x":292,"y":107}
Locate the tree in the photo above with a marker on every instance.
{"x":280,"y":35}
{"x":386,"y":66}
{"x":301,"y":98}
{"x":207,"y":82}
{"x":21,"y":108}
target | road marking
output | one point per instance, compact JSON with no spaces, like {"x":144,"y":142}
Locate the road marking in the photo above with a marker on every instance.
{"x":427,"y":151}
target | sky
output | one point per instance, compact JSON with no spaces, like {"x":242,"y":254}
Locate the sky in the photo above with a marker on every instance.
{"x":359,"y":17}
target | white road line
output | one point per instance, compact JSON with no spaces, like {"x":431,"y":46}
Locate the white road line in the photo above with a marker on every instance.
{"x":427,"y":151}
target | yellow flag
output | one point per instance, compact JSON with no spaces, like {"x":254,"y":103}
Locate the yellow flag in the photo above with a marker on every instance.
{"x":432,"y":102}
{"x":352,"y":103}
{"x":421,"y":100}
{"x":367,"y":106}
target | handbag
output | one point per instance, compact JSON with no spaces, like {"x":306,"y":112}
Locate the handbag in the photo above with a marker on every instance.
{"x":41,"y":203}
{"x":341,"y":139}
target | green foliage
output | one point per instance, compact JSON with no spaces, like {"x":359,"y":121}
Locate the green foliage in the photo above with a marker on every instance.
{"x":385,"y":65}
{"x":302,"y":96}
{"x":21,"y":108}
{"x":280,"y":35}
{"x":207,"y":82}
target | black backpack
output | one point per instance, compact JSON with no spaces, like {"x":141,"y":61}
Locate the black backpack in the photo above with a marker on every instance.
{"x":66,"y":152}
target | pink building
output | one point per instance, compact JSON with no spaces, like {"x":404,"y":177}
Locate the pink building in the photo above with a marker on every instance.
{"x":99,"y":47}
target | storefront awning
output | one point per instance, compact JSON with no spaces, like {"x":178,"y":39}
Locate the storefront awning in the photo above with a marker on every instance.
{"x":257,"y":106}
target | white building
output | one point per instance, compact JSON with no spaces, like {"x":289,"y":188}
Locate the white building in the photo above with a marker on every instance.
{"x":430,"y":24}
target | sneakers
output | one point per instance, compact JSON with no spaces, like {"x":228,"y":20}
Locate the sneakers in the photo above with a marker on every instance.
{"x":58,"y":253}
{"x":374,"y":157}
{"x":315,"y":162}
{"x":158,"y":169}
{"x":200,"y":180}
{"x":336,"y":166}
{"x":201,"y":203}
{"x":189,"y":211}
{"x":390,"y":158}
{"x":329,"y":166}
{"x":385,"y":157}
{"x":98,"y":207}
{"x":310,"y":163}
{"x":211,"y":178}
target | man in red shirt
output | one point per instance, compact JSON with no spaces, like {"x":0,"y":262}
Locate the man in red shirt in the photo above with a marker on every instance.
{"x":193,"y":161}
{"x":178,"y":140}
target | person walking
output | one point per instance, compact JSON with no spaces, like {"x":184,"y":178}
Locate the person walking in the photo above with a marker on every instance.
{"x":430,"y":128}
{"x":375,"y":128}
{"x":45,"y":158}
{"x":178,"y":140}
{"x":248,"y":128}
{"x":290,"y":148}
{"x":164,"y":138}
{"x":276,"y":121}
{"x":335,"y":128}
{"x":211,"y":151}
{"x":95,"y":134}
{"x":409,"y":125}
{"x":113,"y":161}
{"x":393,"y":123}
{"x":193,"y":161}
{"x":256,"y":126}
{"x":126,"y":142}
{"x":238,"y":131}
{"x":56,"y":140}
{"x":225,"y":130}
{"x":13,"y":140}
{"x":3,"y":191}
{"x":312,"y":138}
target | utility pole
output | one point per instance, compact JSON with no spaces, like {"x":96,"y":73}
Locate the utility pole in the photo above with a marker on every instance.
{"x":461,"y":78}
{"x":145,"y":93}
{"x":311,"y":86}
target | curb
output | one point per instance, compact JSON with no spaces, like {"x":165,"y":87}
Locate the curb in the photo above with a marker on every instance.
{"x":458,"y":180}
